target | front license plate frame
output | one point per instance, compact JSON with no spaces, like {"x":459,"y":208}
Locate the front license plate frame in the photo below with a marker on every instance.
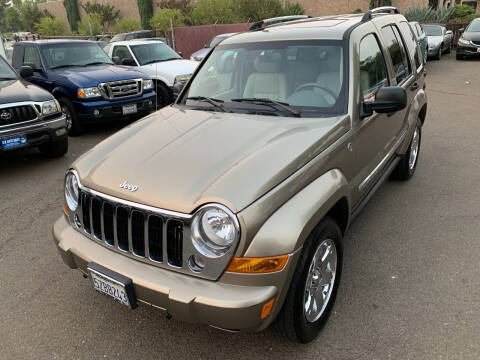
{"x":112,"y":284}
{"x":13,"y":142}
{"x":478,"y":50}
{"x":129,"y":109}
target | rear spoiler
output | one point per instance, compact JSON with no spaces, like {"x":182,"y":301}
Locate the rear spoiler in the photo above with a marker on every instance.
{"x":259,"y":24}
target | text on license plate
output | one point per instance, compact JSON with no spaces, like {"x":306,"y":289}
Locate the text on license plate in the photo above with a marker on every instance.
{"x":109,"y":287}
{"x":129,"y":109}
{"x":14,"y":141}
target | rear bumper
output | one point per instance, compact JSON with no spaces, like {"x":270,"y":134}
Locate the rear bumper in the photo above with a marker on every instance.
{"x":113,"y":109}
{"x":235,"y":304}
{"x":37,"y":133}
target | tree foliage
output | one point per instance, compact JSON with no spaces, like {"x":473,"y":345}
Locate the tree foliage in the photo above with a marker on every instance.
{"x":91,"y":24}
{"x":161,"y":19}
{"x":425,"y":14}
{"x":10,"y":21}
{"x":127,"y":25}
{"x":108,"y":14}
{"x":51,"y":26}
{"x":213,"y":12}
{"x":378,"y":3}
{"x":145,"y":8}
{"x":73,"y":14}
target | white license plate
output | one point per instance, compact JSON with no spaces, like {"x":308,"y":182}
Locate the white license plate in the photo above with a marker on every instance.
{"x":111,"y":287}
{"x":129,"y":109}
{"x":478,"y":50}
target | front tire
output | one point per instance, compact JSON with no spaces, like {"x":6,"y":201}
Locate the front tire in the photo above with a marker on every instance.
{"x":54,"y":149}
{"x":449,"y":49}
{"x":164,"y":97}
{"x":408,"y":162}
{"x":439,"y":54}
{"x":314,"y":285}
{"x":74,"y":128}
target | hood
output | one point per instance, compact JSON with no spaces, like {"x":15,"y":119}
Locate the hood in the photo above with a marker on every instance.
{"x":434,"y":40}
{"x":170,"y":69}
{"x":86,"y":76}
{"x":181,"y":159}
{"x":21,"y":90}
{"x":200,"y":54}
{"x":472,"y":36}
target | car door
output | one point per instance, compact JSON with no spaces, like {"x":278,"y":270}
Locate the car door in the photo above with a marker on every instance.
{"x":31,"y":58}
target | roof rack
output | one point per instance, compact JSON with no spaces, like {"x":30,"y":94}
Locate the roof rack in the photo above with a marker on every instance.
{"x":258,"y":25}
{"x":384,"y":9}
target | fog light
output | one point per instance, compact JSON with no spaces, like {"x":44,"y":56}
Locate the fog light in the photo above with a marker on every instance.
{"x":96,"y":112}
{"x":195,"y":263}
{"x":61,"y":132}
{"x":150,"y":103}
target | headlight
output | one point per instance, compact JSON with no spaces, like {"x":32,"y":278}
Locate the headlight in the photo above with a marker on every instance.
{"x":147,"y":84}
{"x":50,"y":107}
{"x":182,"y":79}
{"x":90,"y":92}
{"x":71,"y":190}
{"x":215,"y":230}
{"x":463,"y":41}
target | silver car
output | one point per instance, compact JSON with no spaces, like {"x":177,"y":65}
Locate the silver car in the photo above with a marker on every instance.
{"x":440,"y":40}
{"x":200,"y":54}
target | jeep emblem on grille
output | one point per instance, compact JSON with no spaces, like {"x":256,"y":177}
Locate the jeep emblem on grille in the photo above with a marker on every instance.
{"x":5,"y":115}
{"x":125,"y":185}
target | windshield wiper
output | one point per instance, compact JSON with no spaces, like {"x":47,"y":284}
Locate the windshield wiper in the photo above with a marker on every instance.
{"x":214,"y":102}
{"x":63,"y":66}
{"x":272,"y":103}
{"x":8,"y":78}
{"x":169,"y":59}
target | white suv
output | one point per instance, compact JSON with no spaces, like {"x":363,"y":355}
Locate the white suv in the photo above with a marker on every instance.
{"x":167,"y":68}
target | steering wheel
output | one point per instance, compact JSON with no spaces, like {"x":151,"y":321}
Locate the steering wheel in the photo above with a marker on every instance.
{"x":328,"y":91}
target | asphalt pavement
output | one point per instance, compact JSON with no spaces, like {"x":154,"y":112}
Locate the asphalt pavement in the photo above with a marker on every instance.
{"x":411,"y":280}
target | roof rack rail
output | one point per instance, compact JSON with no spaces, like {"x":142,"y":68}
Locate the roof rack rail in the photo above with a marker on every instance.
{"x":258,"y":25}
{"x":384,"y":9}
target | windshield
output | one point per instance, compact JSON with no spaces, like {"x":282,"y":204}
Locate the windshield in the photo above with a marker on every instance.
{"x":6,"y":72}
{"x":80,"y":54}
{"x":307,"y":75}
{"x":473,"y":27}
{"x":433,"y":30}
{"x":155,"y":52}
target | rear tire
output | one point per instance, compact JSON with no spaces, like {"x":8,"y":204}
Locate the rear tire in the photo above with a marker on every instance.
{"x":299,"y":320}
{"x":74,"y":128}
{"x":55,"y":148}
{"x":408,"y":162}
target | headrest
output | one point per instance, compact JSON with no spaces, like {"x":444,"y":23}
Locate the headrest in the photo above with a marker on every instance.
{"x":307,"y":54}
{"x":334,"y":59}
{"x":268,"y":63}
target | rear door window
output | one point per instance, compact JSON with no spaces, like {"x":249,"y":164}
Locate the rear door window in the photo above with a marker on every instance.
{"x":411,"y":42}
{"x":397,"y":52}
{"x":373,"y":69}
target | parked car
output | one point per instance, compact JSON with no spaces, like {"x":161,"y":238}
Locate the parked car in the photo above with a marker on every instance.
{"x":421,"y":38}
{"x":89,"y":87}
{"x":469,"y":43}
{"x":440,"y":40}
{"x":233,"y":204}
{"x":168,"y":69}
{"x":199,"y":55}
{"x":29,"y":116}
{"x":142,"y":34}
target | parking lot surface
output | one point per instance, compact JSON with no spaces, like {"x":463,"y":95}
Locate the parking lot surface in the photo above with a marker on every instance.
{"x":411,"y":280}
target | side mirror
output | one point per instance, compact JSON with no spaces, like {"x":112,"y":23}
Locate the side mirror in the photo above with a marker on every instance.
{"x":449,"y":32}
{"x":129,"y":62}
{"x":116,"y":60}
{"x":180,"y":53}
{"x":26,"y":71}
{"x":461,"y":30}
{"x":387,"y":100}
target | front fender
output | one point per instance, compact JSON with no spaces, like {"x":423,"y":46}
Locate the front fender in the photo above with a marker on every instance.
{"x":419,"y":101}
{"x":59,"y":92}
{"x":288,"y":227}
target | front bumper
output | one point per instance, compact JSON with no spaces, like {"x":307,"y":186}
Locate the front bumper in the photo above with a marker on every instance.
{"x":232,"y":304}
{"x":113,"y":109}
{"x":433,"y":51}
{"x":38,"y":132}
{"x":470,"y":50}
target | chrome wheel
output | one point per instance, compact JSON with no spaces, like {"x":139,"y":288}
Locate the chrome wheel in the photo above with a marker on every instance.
{"x":68,"y":117}
{"x":412,"y":160}
{"x":320,"y":280}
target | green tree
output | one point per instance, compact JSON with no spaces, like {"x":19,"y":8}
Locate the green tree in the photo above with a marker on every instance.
{"x":51,"y":26}
{"x":127,"y":25}
{"x":73,"y":14}
{"x":91,"y":24}
{"x":161,"y":19}
{"x":10,"y":20}
{"x":108,"y":14}
{"x":255,"y":10}
{"x":29,"y":15}
{"x":145,"y":8}
{"x":213,"y":12}
{"x":462,"y":11}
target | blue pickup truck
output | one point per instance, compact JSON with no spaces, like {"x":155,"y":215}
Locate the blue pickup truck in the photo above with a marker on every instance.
{"x":85,"y":81}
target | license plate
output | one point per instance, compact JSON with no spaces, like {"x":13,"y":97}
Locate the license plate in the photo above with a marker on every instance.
{"x":112,"y":284}
{"x":14,"y":141}
{"x":129,"y":109}
{"x":478,"y":50}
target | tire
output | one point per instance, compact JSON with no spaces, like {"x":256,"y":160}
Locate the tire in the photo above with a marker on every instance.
{"x":74,"y":128}
{"x":459,"y":57}
{"x":164,"y":97}
{"x":439,"y":54}
{"x":449,"y":49}
{"x":405,"y":168}
{"x":54,"y":149}
{"x":293,"y":320}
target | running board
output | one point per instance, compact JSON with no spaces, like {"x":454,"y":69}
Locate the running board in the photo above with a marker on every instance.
{"x":375,"y":187}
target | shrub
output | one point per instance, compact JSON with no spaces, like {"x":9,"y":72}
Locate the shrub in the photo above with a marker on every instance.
{"x":145,"y":8}
{"x":51,"y":26}
{"x":90,"y":25}
{"x":73,"y":15}
{"x":161,"y":19}
{"x":213,"y":12}
{"x":358,"y":11}
{"x":292,"y":9}
{"x":378,"y":3}
{"x":462,"y":11}
{"x":425,"y":14}
{"x":127,"y":25}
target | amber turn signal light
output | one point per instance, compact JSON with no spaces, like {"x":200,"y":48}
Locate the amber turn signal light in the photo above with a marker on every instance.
{"x":267,"y":308}
{"x":80,"y":93}
{"x":257,"y":265}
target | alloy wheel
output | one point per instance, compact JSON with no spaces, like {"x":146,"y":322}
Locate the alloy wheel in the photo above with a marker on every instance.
{"x":68,"y":116}
{"x":412,"y":160}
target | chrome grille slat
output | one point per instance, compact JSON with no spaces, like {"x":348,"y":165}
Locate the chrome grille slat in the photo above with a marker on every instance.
{"x":121,"y":89}
{"x":17,"y":114}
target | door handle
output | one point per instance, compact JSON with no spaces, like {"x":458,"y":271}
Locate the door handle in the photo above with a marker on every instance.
{"x":414,"y":86}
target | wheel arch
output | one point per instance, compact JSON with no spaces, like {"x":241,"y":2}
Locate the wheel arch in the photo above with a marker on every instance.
{"x":60,"y":92}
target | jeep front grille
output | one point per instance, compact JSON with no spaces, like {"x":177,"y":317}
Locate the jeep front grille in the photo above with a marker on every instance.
{"x":17,"y":114}
{"x":121,"y":89}
{"x":131,"y":230}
